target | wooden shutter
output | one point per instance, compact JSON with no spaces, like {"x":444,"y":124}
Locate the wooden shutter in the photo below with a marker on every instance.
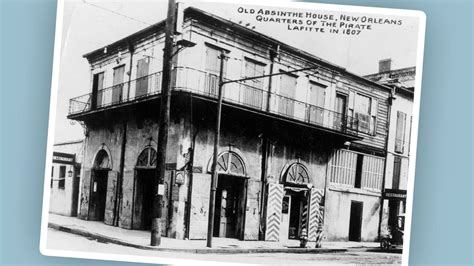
{"x":273,"y":218}
{"x":117,"y":90}
{"x":201,"y":185}
{"x":85,"y":194}
{"x":315,"y":216}
{"x":128,"y":186}
{"x":110,"y":201}
{"x":142,"y":77}
{"x":100,"y":89}
{"x":252,"y":217}
{"x":286,"y":105}
{"x":397,"y":164}
{"x":400,"y":133}
{"x":373,"y":116}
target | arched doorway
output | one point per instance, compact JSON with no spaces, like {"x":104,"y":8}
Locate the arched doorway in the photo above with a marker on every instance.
{"x":145,"y":172}
{"x":98,"y":191}
{"x":296,"y":181}
{"x":230,"y":196}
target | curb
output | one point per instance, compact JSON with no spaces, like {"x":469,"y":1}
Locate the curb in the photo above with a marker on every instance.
{"x":108,"y":239}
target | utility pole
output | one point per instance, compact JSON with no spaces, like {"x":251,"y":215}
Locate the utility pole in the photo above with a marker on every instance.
{"x":163,"y":125}
{"x":214,"y":177}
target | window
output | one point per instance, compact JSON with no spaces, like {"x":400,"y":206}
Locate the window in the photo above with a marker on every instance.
{"x":253,"y":89}
{"x":212,"y":67}
{"x":296,"y":174}
{"x":230,"y":163}
{"x":117,"y":89}
{"x":400,"y":132}
{"x":62,"y":176}
{"x":147,"y":158}
{"x":52,"y":175}
{"x":286,"y":102}
{"x":317,"y":95}
{"x":364,"y":110}
{"x":143,"y":66}
{"x":397,"y":164}
{"x":356,"y":170}
{"x":97,"y":90}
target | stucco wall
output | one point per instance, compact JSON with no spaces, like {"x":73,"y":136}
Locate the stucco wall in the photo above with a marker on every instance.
{"x":337,"y":214}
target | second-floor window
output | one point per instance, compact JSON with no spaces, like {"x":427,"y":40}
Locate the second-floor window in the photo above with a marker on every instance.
{"x":253,"y":89}
{"x":117,"y":89}
{"x":143,"y":66}
{"x":212,"y":68}
{"x":286,"y":101}
{"x":97,"y":90}
{"x":317,"y":95}
{"x":400,"y":132}
{"x":364,"y":109}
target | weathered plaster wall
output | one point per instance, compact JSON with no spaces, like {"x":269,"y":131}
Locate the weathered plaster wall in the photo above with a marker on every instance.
{"x":337,"y":215}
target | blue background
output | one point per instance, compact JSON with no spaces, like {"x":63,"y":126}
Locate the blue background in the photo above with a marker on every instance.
{"x":442,"y":218}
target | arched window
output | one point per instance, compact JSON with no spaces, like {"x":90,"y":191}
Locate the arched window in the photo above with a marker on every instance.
{"x":297,"y":174}
{"x":147,"y":158}
{"x":230,"y":163}
{"x":102,"y":160}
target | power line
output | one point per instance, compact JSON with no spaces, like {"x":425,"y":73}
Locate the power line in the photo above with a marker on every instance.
{"x":117,"y":13}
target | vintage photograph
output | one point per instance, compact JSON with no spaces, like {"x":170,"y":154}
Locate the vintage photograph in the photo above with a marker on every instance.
{"x":255,"y":132}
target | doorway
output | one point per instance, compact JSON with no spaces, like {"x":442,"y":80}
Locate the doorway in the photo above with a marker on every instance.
{"x":355,"y":222}
{"x":143,"y":202}
{"x":229,"y":206}
{"x":293,"y":215}
{"x":98,"y":195}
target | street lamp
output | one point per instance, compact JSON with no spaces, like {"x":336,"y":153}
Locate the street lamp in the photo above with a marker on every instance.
{"x":214,"y":177}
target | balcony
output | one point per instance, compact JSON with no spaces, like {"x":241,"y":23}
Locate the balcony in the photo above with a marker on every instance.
{"x":205,"y":84}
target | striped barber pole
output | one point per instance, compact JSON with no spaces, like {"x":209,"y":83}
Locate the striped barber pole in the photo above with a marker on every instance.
{"x":319,"y":231}
{"x":274,"y":204}
{"x":314,"y":214}
{"x":304,"y":217}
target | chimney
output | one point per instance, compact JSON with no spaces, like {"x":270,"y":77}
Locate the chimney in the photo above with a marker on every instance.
{"x":385,"y":65}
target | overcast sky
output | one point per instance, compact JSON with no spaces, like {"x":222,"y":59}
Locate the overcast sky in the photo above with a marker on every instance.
{"x":91,"y":24}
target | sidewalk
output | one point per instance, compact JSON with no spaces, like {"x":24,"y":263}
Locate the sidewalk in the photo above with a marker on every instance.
{"x":141,"y":239}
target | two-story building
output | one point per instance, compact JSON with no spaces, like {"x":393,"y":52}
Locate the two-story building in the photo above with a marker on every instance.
{"x":402,"y":82}
{"x":294,"y":148}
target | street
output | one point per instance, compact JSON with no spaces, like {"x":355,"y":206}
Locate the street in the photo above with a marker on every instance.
{"x":65,"y":241}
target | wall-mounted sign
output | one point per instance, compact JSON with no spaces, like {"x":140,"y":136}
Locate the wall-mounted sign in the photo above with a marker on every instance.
{"x":395,"y":194}
{"x":64,"y":158}
{"x":161,"y":189}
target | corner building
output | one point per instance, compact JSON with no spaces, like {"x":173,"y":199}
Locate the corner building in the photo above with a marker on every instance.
{"x":281,"y":137}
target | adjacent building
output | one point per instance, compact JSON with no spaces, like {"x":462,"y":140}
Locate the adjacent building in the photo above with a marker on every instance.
{"x":65,"y":177}
{"x":298,"y":150}
{"x":402,"y":82}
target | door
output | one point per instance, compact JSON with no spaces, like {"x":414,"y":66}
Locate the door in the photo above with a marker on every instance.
{"x":142,"y":77}
{"x":355,"y":222}
{"x":316,"y":99}
{"x":286,"y":101}
{"x":285,"y":218}
{"x":143,"y":202}
{"x":97,"y":90}
{"x":98,"y":195}
{"x":341,"y":107}
{"x":117,"y":90}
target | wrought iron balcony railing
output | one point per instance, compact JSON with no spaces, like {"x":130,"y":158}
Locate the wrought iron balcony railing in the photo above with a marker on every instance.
{"x":206,"y":84}
{"x":137,"y":89}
